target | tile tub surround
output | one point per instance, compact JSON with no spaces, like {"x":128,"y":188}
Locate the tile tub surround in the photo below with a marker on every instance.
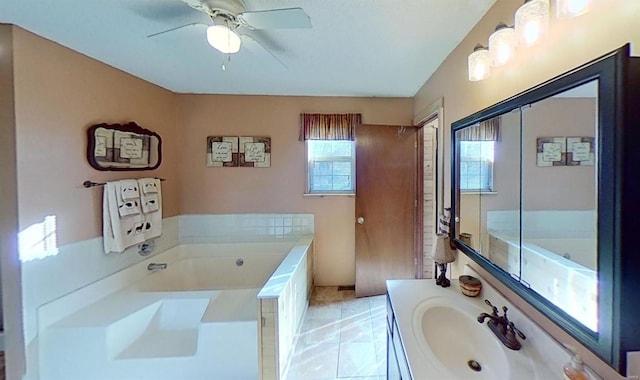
{"x":148,"y":320}
{"x":233,"y":228}
{"x":406,"y":294}
{"x":282,"y":303}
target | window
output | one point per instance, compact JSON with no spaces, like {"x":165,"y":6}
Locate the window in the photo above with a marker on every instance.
{"x":476,"y":166}
{"x":330,"y":166}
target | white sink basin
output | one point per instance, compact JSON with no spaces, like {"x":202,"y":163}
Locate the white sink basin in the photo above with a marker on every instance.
{"x":458,"y":347}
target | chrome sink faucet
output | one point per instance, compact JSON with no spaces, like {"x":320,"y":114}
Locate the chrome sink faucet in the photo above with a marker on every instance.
{"x":156,"y":266}
{"x":501,"y":327}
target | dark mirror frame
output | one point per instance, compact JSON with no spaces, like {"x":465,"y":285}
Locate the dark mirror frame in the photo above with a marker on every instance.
{"x":131,"y":127}
{"x":618,"y":158}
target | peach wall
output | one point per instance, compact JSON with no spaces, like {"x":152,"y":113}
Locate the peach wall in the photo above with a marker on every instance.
{"x":9,"y":263}
{"x":570,"y":43}
{"x":560,"y":187}
{"x":59,"y":94}
{"x":279,"y":188}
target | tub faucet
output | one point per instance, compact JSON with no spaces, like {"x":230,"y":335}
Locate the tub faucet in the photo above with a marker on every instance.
{"x":156,"y":266}
{"x":502,"y":328}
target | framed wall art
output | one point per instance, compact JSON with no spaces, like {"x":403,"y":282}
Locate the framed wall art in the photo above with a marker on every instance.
{"x":581,"y":151}
{"x":233,"y":151}
{"x":222,"y":151}
{"x":255,"y":152}
{"x":551,"y":151}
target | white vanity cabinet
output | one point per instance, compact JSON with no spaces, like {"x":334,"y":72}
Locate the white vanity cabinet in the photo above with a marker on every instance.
{"x":397,"y":367}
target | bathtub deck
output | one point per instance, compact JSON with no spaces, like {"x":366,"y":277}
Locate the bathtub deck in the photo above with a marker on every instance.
{"x":126,"y":328}
{"x":239,"y":305}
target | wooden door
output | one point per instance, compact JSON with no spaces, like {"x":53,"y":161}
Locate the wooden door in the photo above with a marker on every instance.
{"x":385,"y":206}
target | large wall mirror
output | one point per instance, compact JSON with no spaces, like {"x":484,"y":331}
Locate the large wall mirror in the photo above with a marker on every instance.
{"x":538,"y":199}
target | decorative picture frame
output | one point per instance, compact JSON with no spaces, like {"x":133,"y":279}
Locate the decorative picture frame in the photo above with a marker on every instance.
{"x":255,"y":152}
{"x":123,"y":147}
{"x":581,"y":151}
{"x":222,"y":151}
{"x":243,"y":151}
{"x":551,"y":151}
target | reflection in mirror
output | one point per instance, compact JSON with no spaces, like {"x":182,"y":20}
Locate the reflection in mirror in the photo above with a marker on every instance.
{"x":559,"y":201}
{"x":500,"y":218}
{"x":470,"y":165}
{"x":489,"y":170}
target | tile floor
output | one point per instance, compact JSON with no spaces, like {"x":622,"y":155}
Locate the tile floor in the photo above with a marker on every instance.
{"x":342,"y":337}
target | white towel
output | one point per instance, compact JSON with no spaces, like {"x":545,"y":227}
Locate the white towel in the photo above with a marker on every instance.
{"x":125,"y":229}
{"x":151,"y":202}
{"x":129,"y":189}
{"x":149,"y":185}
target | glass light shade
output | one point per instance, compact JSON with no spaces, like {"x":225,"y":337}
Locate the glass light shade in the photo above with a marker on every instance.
{"x":532,"y":21}
{"x":223,"y":39}
{"x":572,"y":8}
{"x":502,"y":45}
{"x":442,"y":252}
{"x":479,"y":64}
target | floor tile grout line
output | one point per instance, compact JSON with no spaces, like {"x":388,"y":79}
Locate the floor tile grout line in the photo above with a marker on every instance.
{"x":328,"y":296}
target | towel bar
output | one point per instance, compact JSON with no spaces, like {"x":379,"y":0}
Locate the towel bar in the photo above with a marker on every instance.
{"x":89,"y":184}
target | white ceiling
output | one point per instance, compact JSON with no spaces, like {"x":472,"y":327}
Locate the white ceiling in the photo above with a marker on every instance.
{"x":382,"y":48}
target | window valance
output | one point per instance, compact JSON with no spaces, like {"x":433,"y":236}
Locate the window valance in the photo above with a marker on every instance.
{"x":488,"y":130}
{"x":317,"y":126}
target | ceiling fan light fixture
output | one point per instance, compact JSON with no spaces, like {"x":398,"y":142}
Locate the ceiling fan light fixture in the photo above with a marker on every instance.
{"x":223,"y":39}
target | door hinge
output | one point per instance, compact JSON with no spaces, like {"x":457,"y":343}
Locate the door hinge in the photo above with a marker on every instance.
{"x":263,"y":321}
{"x":415,"y":203}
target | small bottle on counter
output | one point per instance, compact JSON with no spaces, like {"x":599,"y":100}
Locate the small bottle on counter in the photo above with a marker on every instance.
{"x":574,"y":370}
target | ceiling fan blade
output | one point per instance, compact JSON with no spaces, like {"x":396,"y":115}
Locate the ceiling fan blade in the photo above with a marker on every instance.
{"x":264,"y":56}
{"x":199,"y":5}
{"x":288,"y":18}
{"x":177,"y":28}
{"x":159,"y":10}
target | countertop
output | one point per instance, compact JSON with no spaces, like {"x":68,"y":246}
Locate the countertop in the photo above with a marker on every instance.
{"x":406,"y":295}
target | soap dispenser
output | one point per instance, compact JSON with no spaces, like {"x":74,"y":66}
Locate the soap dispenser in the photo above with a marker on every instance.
{"x":574,"y":370}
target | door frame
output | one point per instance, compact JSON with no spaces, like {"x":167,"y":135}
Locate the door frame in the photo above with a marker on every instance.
{"x":434,"y":112}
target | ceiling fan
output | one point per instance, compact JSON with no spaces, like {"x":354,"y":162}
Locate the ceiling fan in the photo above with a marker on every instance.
{"x":230,"y":16}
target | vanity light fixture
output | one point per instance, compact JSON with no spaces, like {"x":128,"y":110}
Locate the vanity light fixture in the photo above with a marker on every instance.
{"x":572,"y":8}
{"x":531,"y":21}
{"x":479,"y":63}
{"x":502,"y":44}
{"x":442,"y":254}
{"x":223,"y":38}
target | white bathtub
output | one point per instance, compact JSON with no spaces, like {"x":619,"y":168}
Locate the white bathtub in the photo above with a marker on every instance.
{"x":214,"y":266}
{"x":197,"y":319}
